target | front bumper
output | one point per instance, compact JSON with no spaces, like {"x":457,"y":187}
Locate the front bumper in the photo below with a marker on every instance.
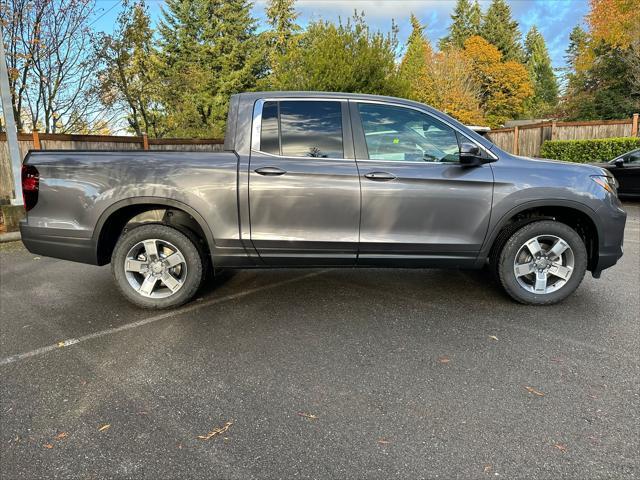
{"x":612,"y":220}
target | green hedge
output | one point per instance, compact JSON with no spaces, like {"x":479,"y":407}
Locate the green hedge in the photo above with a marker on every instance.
{"x":588,"y":151}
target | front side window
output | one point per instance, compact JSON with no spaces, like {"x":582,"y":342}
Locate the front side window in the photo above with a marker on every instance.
{"x":406,"y":135}
{"x":634,"y":158}
{"x":298,"y":128}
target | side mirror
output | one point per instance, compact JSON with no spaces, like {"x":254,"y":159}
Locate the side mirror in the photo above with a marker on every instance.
{"x":470,"y":155}
{"x":619,"y":162}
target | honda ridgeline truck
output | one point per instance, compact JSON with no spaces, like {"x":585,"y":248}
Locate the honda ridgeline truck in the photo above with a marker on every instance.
{"x":324,"y":179}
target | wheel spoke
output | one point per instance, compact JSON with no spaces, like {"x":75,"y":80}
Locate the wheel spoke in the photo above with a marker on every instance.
{"x":558,"y":248}
{"x":524,"y":269}
{"x":135,"y":266}
{"x":560,"y":271}
{"x":172,"y":283}
{"x":151,"y":249}
{"x":174,"y":260}
{"x":541,"y":282}
{"x":148,"y":285}
{"x":534,"y":246}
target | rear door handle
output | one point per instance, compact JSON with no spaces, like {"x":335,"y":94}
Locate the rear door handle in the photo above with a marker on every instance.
{"x":380,"y":176}
{"x":270,"y":171}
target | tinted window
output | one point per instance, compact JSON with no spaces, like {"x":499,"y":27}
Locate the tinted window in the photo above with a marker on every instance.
{"x":269,"y":139}
{"x":311,"y":129}
{"x":634,"y":157}
{"x":406,"y":135}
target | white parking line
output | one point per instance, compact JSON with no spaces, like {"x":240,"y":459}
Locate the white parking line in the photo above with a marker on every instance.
{"x":146,"y":321}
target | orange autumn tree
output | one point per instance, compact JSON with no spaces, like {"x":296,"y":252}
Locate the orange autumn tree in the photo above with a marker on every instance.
{"x":454,"y":89}
{"x":504,"y":86}
{"x":443,"y":80}
{"x":616,"y":22}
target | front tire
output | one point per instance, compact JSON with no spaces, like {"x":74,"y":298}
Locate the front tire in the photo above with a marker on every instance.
{"x":156,"y":266}
{"x":542,"y":263}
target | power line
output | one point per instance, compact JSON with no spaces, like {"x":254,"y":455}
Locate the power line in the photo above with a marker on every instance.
{"x":105,"y":12}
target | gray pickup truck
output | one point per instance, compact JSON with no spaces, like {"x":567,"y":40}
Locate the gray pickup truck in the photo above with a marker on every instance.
{"x":324,"y":179}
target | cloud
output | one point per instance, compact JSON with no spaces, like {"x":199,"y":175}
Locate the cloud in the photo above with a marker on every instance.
{"x":375,"y":10}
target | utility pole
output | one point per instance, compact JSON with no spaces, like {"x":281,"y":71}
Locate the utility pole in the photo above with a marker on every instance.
{"x":10,"y":126}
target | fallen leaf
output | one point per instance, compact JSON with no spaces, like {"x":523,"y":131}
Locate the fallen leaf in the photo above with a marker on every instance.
{"x":382,"y":441}
{"x":61,"y":435}
{"x":308,"y":415}
{"x":561,"y":446}
{"x":104,"y":427}
{"x":48,"y":445}
{"x":60,"y":344}
{"x":443,"y":359}
{"x":487,"y":468}
{"x":493,"y":337}
{"x":534,"y":391}
{"x":215,"y":431}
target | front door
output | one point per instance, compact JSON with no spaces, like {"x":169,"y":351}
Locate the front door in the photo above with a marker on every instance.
{"x":628,"y":176}
{"x":419,"y":205}
{"x":304,"y":189}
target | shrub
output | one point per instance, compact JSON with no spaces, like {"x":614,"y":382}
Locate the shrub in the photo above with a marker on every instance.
{"x":588,"y":151}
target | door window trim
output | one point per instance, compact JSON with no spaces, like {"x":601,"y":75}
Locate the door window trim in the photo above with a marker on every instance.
{"x":256,"y":127}
{"x":411,"y":107}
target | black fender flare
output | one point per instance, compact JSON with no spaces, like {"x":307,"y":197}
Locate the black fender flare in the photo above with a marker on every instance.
{"x":549,"y":203}
{"x":166,"y":202}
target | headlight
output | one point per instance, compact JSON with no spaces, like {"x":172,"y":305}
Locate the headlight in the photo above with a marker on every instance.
{"x":608,"y":182}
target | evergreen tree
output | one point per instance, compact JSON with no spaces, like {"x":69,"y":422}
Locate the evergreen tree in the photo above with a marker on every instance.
{"x":209,"y":52}
{"x":343,"y":57}
{"x":501,"y":30}
{"x":466,"y":22}
{"x":538,"y":62}
{"x":281,"y":16}
{"x":413,"y":68}
{"x":578,"y":39}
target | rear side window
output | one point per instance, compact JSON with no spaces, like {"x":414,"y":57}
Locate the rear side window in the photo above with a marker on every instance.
{"x":269,"y":132}
{"x":298,"y":128}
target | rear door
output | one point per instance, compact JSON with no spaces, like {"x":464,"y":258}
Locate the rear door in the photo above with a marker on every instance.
{"x":419,"y":205}
{"x":304,"y":188}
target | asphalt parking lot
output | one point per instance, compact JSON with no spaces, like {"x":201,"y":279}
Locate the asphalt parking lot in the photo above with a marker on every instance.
{"x":318,"y":374}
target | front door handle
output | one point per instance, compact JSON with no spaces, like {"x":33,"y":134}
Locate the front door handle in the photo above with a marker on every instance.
{"x":270,"y":171}
{"x":380,"y":176}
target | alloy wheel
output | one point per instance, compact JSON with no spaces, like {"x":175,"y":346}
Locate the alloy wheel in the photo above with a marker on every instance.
{"x":155,"y":268}
{"x":544,"y":264}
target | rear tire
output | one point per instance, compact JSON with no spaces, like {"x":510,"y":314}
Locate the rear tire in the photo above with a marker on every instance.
{"x":156,"y":266}
{"x":542,"y":263}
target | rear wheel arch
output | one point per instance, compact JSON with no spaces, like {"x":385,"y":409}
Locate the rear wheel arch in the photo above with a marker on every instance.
{"x":136,"y":212}
{"x":577,"y":216}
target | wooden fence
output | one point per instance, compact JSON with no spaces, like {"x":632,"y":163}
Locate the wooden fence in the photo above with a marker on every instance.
{"x":526,"y":140}
{"x":47,"y":141}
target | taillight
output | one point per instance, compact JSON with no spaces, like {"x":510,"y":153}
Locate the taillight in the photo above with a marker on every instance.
{"x":30,"y":186}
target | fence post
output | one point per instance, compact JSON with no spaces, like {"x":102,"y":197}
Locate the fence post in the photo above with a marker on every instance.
{"x":36,"y":140}
{"x":634,"y":125}
{"x":554,"y":133}
{"x":516,"y":134}
{"x":145,"y":142}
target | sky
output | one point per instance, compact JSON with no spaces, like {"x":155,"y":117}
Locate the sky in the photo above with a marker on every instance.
{"x":554,"y":18}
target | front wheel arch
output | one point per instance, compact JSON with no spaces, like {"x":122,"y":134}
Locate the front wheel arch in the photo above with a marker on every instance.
{"x":580,"y":218}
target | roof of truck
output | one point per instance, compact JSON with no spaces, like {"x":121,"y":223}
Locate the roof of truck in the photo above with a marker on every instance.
{"x":301,"y":94}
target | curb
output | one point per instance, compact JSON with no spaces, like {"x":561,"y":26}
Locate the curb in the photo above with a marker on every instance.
{"x":9,"y":237}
